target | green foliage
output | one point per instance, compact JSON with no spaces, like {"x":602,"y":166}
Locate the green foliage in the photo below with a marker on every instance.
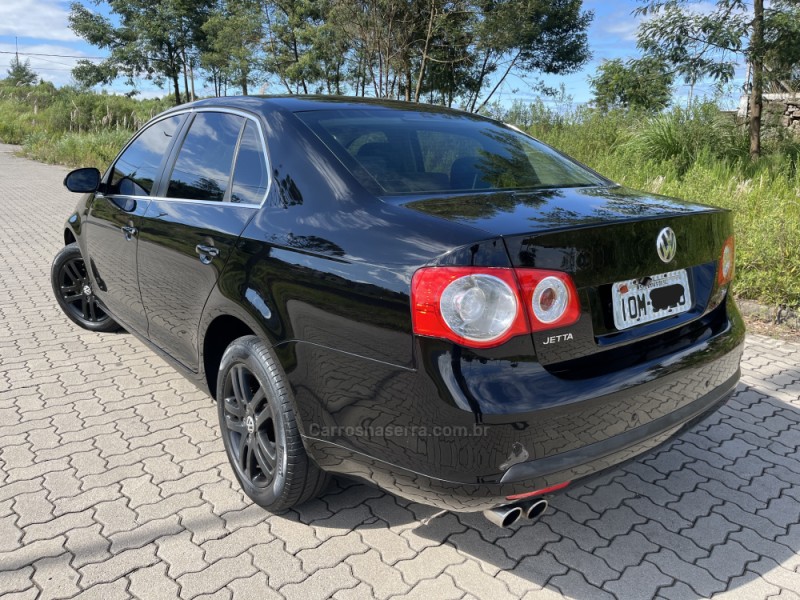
{"x":20,"y":73}
{"x":69,"y":126}
{"x":144,"y":39}
{"x":681,"y":136}
{"x":640,"y":84}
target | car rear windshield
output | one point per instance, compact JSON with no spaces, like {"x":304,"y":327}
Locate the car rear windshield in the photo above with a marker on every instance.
{"x":413,"y":152}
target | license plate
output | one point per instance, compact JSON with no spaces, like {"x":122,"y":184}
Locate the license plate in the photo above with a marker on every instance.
{"x":639,"y":301}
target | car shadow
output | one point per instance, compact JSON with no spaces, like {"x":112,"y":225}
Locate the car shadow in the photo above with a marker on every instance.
{"x":716,"y":509}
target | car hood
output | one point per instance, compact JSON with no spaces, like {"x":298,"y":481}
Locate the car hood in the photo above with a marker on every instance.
{"x":518,"y":212}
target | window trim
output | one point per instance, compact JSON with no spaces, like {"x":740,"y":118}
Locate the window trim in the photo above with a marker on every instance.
{"x":172,"y":155}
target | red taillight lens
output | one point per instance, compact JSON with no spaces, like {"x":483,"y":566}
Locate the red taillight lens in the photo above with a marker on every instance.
{"x":485,"y":307}
{"x":551,"y":298}
{"x":727,"y":266}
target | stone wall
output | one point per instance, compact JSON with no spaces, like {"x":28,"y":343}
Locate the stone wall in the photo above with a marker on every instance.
{"x":779,"y":109}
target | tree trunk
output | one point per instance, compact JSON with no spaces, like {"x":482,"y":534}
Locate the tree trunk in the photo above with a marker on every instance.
{"x":756,"y":93}
{"x":176,"y":85}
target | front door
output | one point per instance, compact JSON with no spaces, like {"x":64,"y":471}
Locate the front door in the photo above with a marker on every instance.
{"x":113,"y":221}
{"x":216,"y":184}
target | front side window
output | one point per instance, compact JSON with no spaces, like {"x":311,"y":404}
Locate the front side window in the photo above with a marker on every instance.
{"x":203,"y":168}
{"x":138,"y":166}
{"x":250,"y":172}
{"x":406,"y":152}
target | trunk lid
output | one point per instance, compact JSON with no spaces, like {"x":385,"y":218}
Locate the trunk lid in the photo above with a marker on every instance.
{"x":602,"y":236}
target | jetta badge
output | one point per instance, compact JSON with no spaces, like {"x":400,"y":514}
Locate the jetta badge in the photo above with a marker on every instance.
{"x":666,"y":244}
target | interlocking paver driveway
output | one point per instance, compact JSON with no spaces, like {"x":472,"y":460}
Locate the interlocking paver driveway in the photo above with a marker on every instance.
{"x":114,"y":484}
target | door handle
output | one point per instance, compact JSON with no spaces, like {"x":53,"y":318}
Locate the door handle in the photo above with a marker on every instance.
{"x":207,"y":253}
{"x":129,"y":232}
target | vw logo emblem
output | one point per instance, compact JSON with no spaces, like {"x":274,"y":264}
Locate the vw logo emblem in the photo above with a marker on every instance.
{"x":251,"y":424}
{"x":666,"y":244}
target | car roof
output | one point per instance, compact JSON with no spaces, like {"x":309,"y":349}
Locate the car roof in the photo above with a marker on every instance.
{"x":297,"y":103}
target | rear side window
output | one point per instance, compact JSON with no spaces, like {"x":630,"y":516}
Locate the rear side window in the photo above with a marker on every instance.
{"x":203,"y":168}
{"x":138,"y":166}
{"x":250,"y":173}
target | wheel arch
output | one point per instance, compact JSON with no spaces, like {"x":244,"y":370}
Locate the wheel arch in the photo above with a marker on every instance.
{"x":217,"y":337}
{"x":69,"y":237}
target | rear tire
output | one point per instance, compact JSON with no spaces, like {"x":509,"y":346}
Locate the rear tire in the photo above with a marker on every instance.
{"x":259,"y":429}
{"x":74,"y":293}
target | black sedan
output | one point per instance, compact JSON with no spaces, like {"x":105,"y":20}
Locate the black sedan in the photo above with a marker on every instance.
{"x":419,"y":297}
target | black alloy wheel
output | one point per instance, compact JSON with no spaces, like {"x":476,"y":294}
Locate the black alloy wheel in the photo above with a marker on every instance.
{"x":74,"y":292}
{"x":259,"y":429}
{"x":255,"y":443}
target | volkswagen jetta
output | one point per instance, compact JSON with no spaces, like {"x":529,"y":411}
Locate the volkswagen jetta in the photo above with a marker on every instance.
{"x":419,"y":297}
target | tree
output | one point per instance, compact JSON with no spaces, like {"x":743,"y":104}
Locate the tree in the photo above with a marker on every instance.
{"x":232,"y":42}
{"x":154,"y":39}
{"x":700,"y":43}
{"x":20,"y":73}
{"x":524,"y":37}
{"x":643,"y":83}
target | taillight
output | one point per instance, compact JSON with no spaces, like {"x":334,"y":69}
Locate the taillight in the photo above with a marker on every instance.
{"x":485,"y":307}
{"x":726,"y":267}
{"x":551,"y":298}
{"x":470,"y":306}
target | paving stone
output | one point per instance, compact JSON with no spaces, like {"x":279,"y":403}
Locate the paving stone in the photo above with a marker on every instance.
{"x":15,"y":581}
{"x":152,"y":583}
{"x":384,"y":580}
{"x":429,"y":563}
{"x":216,"y":576}
{"x":727,"y":560}
{"x":441,"y":588}
{"x":237,"y":542}
{"x":321,"y":584}
{"x":56,"y":577}
{"x":280,"y":566}
{"x":117,"y":566}
{"x":593,"y":568}
{"x":638,"y":582}
{"x":180,"y":554}
{"x":574,"y":585}
{"x":87,"y":545}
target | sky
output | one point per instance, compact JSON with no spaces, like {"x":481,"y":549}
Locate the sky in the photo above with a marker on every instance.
{"x":41,"y":27}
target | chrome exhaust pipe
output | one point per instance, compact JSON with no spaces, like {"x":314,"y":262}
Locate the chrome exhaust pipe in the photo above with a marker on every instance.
{"x":535,"y":508}
{"x":504,"y":516}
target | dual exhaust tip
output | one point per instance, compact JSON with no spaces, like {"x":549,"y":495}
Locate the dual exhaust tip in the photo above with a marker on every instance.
{"x":506,"y":516}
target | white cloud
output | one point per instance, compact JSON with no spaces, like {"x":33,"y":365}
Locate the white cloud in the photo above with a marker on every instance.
{"x":50,"y":68}
{"x":40,"y":19}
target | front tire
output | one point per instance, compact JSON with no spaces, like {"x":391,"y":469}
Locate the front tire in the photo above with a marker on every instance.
{"x":259,"y":429}
{"x":74,"y":293}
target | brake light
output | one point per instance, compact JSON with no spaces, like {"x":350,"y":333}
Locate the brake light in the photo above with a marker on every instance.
{"x":551,"y":298}
{"x":485,"y":307}
{"x":727,"y":266}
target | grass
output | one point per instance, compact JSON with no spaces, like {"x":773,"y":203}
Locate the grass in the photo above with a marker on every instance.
{"x":698,"y":154}
{"x":68,"y":126}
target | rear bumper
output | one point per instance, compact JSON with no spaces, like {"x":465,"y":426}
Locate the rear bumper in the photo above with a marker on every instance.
{"x":465,"y":434}
{"x":526,"y":476}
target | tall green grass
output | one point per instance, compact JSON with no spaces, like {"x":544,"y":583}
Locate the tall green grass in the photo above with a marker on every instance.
{"x":69,"y":126}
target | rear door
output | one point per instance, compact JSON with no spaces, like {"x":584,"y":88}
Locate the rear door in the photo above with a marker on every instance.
{"x":113,"y":220}
{"x":216,"y":181}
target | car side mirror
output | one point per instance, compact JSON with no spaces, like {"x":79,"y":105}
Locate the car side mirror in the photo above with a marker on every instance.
{"x":83,"y":181}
